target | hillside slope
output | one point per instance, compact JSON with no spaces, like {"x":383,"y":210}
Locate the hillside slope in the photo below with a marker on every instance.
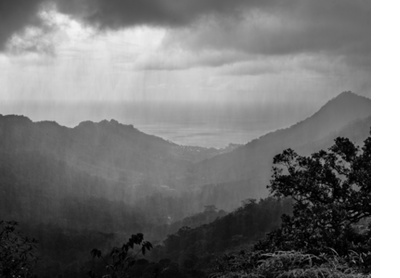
{"x":347,"y":115}
{"x":108,"y":149}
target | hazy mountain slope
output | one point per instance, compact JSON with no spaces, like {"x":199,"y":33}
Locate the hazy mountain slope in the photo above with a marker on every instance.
{"x":129,"y":165}
{"x":113,"y":178}
{"x":244,"y":172}
{"x":357,"y":131}
{"x":233,"y":231}
{"x":36,"y":189}
{"x":90,"y":176}
{"x":252,"y":159}
{"x":107,"y":149}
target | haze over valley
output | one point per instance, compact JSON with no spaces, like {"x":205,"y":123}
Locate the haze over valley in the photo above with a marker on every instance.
{"x":220,"y":138}
{"x":121,"y":163}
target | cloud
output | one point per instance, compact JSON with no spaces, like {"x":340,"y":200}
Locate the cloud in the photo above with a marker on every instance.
{"x":172,"y":59}
{"x":267,"y":27}
{"x":331,"y":28}
{"x":257,"y":28}
{"x":118,"y":14}
{"x":51,"y":32}
{"x":313,"y":64}
{"x":15,"y":15}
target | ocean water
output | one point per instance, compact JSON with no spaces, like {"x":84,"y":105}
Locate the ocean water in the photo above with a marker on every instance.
{"x":204,"y":135}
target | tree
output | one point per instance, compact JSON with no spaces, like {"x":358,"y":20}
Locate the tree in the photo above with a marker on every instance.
{"x":331,"y":193}
{"x":17,"y":252}
{"x":121,"y":260}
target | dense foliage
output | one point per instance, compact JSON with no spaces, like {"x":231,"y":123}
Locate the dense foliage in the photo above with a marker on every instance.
{"x":196,"y":250}
{"x":329,"y":233}
{"x":331,"y":192}
{"x":286,"y":264}
{"x":17,"y":252}
{"x":325,"y":200}
{"x":193,"y":252}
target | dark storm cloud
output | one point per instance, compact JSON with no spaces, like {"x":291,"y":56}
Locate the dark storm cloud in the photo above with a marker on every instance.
{"x":283,"y":27}
{"x":335,"y":28}
{"x":116,"y":14}
{"x":280,"y":27}
{"x":123,"y":13}
{"x":306,"y":25}
{"x":15,"y":15}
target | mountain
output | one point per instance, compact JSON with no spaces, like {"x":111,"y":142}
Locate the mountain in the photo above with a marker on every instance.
{"x":92,"y":176}
{"x":111,"y":162}
{"x":248,"y":167}
{"x":108,"y":149}
{"x":99,"y":182}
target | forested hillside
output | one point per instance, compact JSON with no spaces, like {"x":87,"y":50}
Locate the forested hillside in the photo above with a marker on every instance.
{"x":194,"y":251}
{"x":326,"y":233}
{"x":96,"y":184}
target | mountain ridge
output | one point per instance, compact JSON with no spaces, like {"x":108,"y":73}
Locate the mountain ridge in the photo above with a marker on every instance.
{"x":125,"y":157}
{"x":253,"y":159}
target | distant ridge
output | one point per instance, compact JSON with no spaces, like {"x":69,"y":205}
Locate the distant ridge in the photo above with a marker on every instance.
{"x":334,"y":115}
{"x":107,"y":149}
{"x":121,"y":156}
{"x":253,"y":161}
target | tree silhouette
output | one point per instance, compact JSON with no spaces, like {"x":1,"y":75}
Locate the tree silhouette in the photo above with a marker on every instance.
{"x":331,"y":193}
{"x":121,"y":259}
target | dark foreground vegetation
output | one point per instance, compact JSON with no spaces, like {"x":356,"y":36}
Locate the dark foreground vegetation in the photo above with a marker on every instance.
{"x":325,"y":231}
{"x":329,"y":232}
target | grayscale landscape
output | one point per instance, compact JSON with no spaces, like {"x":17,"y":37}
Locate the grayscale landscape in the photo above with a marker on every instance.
{"x":185,"y":138}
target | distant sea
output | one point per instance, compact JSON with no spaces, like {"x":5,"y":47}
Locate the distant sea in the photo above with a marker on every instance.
{"x":205,"y":135}
{"x":205,"y":125}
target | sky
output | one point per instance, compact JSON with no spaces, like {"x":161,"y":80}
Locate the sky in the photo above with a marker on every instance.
{"x":215,"y":60}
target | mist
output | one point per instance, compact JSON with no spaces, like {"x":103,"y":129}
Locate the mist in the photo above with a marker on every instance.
{"x":185,"y":138}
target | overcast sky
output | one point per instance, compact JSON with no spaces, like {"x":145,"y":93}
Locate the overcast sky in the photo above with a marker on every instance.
{"x":183,"y":51}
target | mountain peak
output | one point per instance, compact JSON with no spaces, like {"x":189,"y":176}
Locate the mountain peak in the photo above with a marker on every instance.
{"x":109,"y":122}
{"x":347,"y":103}
{"x":104,"y":123}
{"x":348,"y":96}
{"x":14,"y":117}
